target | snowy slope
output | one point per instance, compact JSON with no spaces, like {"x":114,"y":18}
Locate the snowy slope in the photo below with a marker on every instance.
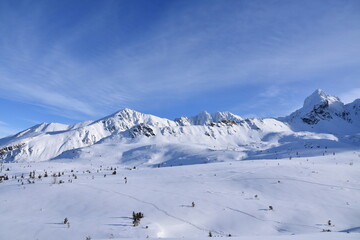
{"x":233,"y":197}
{"x":354,"y":112}
{"x":47,"y":141}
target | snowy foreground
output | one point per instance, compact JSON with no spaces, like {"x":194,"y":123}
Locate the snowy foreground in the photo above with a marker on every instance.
{"x":231,"y":198}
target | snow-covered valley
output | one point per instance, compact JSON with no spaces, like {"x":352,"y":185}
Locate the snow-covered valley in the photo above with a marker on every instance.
{"x":230,"y":199}
{"x":218,"y":175}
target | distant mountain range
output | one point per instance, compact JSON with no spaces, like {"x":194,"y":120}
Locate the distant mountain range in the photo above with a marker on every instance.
{"x":132,"y":137}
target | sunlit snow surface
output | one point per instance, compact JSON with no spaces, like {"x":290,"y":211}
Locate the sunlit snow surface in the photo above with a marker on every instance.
{"x":231,"y":197}
{"x":217,"y":174}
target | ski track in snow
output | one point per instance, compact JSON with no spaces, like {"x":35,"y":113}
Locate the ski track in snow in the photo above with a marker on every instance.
{"x":156,"y":207}
{"x":222,"y":179}
{"x":227,"y":207}
{"x":267,"y":220}
{"x":296,"y":180}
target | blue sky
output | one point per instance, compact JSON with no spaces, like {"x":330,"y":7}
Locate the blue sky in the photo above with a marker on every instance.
{"x":72,"y":60}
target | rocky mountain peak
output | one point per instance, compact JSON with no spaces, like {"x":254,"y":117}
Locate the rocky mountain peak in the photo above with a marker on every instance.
{"x":320,"y":98}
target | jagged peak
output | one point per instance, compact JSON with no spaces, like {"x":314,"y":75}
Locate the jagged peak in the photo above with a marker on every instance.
{"x":320,"y":97}
{"x":226,"y":114}
{"x":128,"y":111}
{"x":125,"y":113}
{"x":320,"y":107}
{"x":204,"y":114}
{"x":204,"y":118}
{"x":183,"y":121}
{"x":128,"y":118}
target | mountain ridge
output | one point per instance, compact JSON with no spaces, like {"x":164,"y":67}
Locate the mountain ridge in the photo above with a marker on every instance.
{"x":321,"y":117}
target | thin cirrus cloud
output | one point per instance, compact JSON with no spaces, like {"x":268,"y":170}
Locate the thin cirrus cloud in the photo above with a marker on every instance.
{"x":5,"y":129}
{"x":349,"y":96}
{"x":188,"y":50}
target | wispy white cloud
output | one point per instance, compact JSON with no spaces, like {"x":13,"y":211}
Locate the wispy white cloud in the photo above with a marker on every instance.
{"x":187,"y":52}
{"x":5,"y":130}
{"x":350,"y":96}
{"x":271,"y":91}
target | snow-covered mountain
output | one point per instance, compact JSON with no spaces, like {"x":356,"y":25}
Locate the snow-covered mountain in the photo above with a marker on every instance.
{"x":205,"y":118}
{"x":325,"y":113}
{"x":144,"y":137}
{"x":304,"y":184}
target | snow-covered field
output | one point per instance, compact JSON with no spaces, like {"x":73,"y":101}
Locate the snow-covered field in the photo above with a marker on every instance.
{"x":217,"y":175}
{"x":231,"y":198}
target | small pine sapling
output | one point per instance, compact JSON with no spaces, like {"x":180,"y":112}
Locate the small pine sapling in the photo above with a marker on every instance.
{"x":136,"y":218}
